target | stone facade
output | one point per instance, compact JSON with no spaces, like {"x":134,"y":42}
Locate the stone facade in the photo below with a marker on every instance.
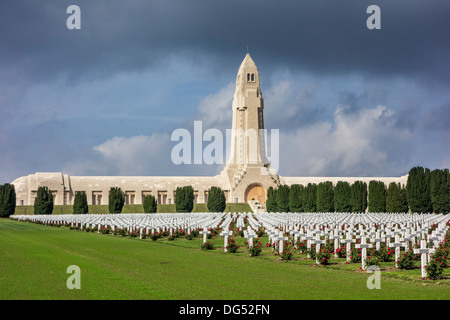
{"x":246,"y":176}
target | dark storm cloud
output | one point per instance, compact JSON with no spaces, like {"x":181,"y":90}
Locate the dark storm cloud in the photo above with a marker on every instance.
{"x":438,"y":120}
{"x":320,"y":36}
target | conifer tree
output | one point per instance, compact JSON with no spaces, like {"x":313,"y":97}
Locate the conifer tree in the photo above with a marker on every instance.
{"x":342,"y":195}
{"x":116,"y":200}
{"x":184,"y":199}
{"x":43,"y":202}
{"x":80,"y":205}
{"x":309,"y":198}
{"x":377,"y":196}
{"x":7,"y":200}
{"x":271,"y":202}
{"x":325,"y":197}
{"x":418,"y":190}
{"x":295,"y":198}
{"x":440,"y":190}
{"x":396,"y":198}
{"x":283,"y":198}
{"x":149,"y":204}
{"x":217,"y":201}
{"x":358,"y":198}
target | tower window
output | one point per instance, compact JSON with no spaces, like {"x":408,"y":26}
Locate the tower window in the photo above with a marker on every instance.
{"x":248,"y":76}
{"x":253,"y":77}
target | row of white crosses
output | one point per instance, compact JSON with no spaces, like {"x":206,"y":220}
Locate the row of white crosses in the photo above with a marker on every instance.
{"x":133,"y":222}
{"x":274,"y":230}
{"x":391,"y":227}
{"x":307,"y":226}
{"x":249,"y":233}
{"x":211,"y":223}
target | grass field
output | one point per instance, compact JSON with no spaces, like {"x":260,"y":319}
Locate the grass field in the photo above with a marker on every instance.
{"x":34,"y":259}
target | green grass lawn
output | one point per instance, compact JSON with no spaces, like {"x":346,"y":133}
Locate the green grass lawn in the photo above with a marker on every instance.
{"x":34,"y":260}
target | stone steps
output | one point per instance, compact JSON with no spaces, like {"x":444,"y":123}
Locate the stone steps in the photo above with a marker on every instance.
{"x":254,"y":204}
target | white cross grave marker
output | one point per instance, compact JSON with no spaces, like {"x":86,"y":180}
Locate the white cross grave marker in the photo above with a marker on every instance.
{"x":250,"y":237}
{"x":378,"y":239}
{"x":336,"y":241}
{"x":225,"y":234}
{"x":204,"y":232}
{"x":348,"y":241}
{"x":397,"y":244}
{"x":318,"y":242}
{"x":363,"y":245}
{"x":281,"y":238}
{"x":424,"y":252}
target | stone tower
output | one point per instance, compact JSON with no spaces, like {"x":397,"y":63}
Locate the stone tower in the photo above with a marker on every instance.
{"x":248,"y":169}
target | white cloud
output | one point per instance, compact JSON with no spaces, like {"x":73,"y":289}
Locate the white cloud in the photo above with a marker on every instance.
{"x":215,"y":109}
{"x":292,"y":103}
{"x":136,"y":155}
{"x":366,"y":143}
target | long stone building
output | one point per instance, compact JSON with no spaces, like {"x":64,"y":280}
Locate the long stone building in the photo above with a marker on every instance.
{"x":247,"y":175}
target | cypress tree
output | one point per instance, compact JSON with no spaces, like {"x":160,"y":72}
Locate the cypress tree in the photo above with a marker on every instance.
{"x":377,"y":196}
{"x":342,"y":195}
{"x":295,"y":198}
{"x":325,"y":197}
{"x":396,"y":198}
{"x":217,"y":201}
{"x":7,"y":200}
{"x":116,"y":200}
{"x":184,"y":199}
{"x":283,"y":198}
{"x":271,"y":202}
{"x":358,"y":198}
{"x":80,"y":205}
{"x":43,"y":203}
{"x":418,"y":190}
{"x":149,"y":204}
{"x":309,"y":198}
{"x":440,"y":190}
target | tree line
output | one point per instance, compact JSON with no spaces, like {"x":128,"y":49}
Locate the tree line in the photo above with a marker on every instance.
{"x":43,"y":203}
{"x":425,"y":191}
{"x":184,"y":201}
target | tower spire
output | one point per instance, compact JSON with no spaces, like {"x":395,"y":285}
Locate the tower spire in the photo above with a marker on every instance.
{"x":247,"y":146}
{"x":248,"y":167}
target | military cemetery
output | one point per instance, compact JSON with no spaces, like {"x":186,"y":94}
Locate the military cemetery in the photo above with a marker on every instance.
{"x":244,"y":233}
{"x":363,"y":238}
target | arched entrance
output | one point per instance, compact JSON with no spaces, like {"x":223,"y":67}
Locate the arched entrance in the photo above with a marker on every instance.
{"x":255,"y":191}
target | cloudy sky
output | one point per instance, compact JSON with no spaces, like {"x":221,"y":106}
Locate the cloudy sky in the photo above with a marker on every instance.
{"x":105,"y":99}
